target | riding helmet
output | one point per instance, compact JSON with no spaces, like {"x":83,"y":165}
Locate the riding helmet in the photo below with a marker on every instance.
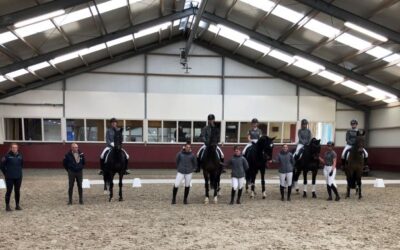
{"x":254,"y":120}
{"x":210,"y":117}
{"x":304,"y":122}
{"x":354,"y":121}
{"x":330,"y":143}
{"x":113,"y":120}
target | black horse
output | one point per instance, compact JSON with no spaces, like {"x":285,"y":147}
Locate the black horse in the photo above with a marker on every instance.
{"x":116,"y":163}
{"x":308,"y":161}
{"x":354,"y":166}
{"x":257,"y":156}
{"x":212,"y":167}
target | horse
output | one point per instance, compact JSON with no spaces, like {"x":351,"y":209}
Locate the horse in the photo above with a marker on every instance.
{"x":212,"y":168}
{"x":308,"y":161}
{"x":116,"y":163}
{"x":257,"y":156}
{"x":354,"y":166}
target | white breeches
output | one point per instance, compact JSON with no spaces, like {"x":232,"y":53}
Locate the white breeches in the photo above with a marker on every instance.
{"x":347,"y":147}
{"x":201,"y":151}
{"x":285,"y":179}
{"x":299,"y":146}
{"x":237,"y":183}
{"x":180,"y":177}
{"x":248,"y":145}
{"x":329,"y":179}
{"x":109,"y":148}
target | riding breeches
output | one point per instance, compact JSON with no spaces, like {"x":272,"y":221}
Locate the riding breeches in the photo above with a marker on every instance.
{"x":107,"y":149}
{"x":180,"y":177}
{"x":237,"y":183}
{"x":330,"y":179}
{"x":248,"y":145}
{"x":298,"y":148}
{"x":348,"y":147}
{"x":201,"y":151}
{"x":285,"y":179}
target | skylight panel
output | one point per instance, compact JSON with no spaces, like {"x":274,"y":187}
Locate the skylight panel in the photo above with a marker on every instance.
{"x":64,"y":58}
{"x":39,"y":66}
{"x":307,"y":64}
{"x":214,"y":28}
{"x":366,"y":31}
{"x":355,"y":86}
{"x":120,"y":40}
{"x":391,"y":100}
{"x":392,"y":58}
{"x":73,"y":17}
{"x":265,"y":5}
{"x":257,"y":46}
{"x":378,"y":93}
{"x":17,"y":73}
{"x":39,"y":18}
{"x":152,"y":30}
{"x":2,"y":78}
{"x":92,"y":49}
{"x":34,"y":28}
{"x":322,"y":28}
{"x":379,"y":52}
{"x":7,"y":37}
{"x":281,"y":56}
{"x":176,"y":22}
{"x":287,"y":14}
{"x":353,"y":41}
{"x":232,"y":34}
{"x":111,"y":5}
{"x":331,"y":76}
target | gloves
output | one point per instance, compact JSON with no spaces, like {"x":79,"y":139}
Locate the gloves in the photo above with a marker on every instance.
{"x":331,"y":173}
{"x":112,"y":144}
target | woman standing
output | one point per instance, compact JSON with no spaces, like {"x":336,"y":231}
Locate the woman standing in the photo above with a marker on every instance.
{"x":286,"y":161}
{"x":11,"y":166}
{"x":330,"y":171}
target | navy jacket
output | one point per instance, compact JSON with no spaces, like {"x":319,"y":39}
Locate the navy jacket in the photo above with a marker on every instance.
{"x":11,"y":165}
{"x":70,"y":163}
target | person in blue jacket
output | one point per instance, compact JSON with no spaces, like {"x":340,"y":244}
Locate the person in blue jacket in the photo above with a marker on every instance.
{"x":11,"y":166}
{"x":74,"y":161}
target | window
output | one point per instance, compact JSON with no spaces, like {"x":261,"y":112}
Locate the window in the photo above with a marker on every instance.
{"x":75,"y":130}
{"x":231,"y":132}
{"x":289,"y":132}
{"x":184,"y":131}
{"x":13,"y":129}
{"x":52,"y":129}
{"x":322,"y":130}
{"x":133,"y":131}
{"x":95,"y":130}
{"x":169,"y":131}
{"x":33,"y":129}
{"x":244,"y":130}
{"x":154,"y":131}
{"x":275,"y":130}
{"x":197,"y":127}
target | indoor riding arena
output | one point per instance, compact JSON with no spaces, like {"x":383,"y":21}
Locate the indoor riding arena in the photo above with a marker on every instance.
{"x":199,"y":124}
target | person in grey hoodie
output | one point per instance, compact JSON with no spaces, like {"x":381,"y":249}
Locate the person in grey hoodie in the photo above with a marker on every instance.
{"x":239,"y":167}
{"x":304,"y":134}
{"x":286,"y":161}
{"x":186,"y":163}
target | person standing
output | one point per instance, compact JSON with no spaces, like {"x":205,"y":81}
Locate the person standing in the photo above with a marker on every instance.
{"x":330,"y":171}
{"x":239,"y":167}
{"x":11,"y":166}
{"x":286,"y":161}
{"x":74,"y":161}
{"x":185,"y":164}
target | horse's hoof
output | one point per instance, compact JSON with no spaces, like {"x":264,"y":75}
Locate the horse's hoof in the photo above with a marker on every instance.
{"x":215,"y":200}
{"x":252,"y":194}
{"x":360,"y":197}
{"x":206,"y":200}
{"x":105,"y":192}
{"x":314,"y":195}
{"x":304,"y":194}
{"x":109,"y":200}
{"x":347,"y":196}
{"x":297,"y":190}
{"x":121,"y":199}
{"x":264,"y":195}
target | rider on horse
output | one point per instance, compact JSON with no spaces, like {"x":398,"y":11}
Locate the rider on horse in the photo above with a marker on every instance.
{"x":351,"y":136}
{"x":253,"y":135}
{"x":110,"y":144}
{"x":305,"y":136}
{"x":210,"y":136}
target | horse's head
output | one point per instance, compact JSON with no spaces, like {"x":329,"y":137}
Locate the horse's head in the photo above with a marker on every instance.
{"x":315,"y":146}
{"x":360,"y":143}
{"x":118,"y":138}
{"x":267,"y":145}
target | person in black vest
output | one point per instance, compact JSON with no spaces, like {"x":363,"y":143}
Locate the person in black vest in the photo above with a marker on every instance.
{"x":74,"y":162}
{"x":11,"y":166}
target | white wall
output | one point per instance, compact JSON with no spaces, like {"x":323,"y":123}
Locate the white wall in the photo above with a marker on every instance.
{"x":385,"y":127}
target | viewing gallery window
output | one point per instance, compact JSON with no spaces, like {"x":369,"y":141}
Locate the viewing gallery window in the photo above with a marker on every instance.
{"x":75,"y":130}
{"x":133,"y":131}
{"x":13,"y":129}
{"x":95,"y":130}
{"x":322,"y":130}
{"x":33,"y":129}
{"x":231,"y":132}
{"x":184,"y":132}
{"x":52,"y":129}
{"x":197,"y":127}
{"x":169,"y":131}
{"x":154,"y":131}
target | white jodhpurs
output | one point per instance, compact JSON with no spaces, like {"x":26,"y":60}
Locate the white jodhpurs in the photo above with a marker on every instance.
{"x":237,"y":183}
{"x":298,"y":148}
{"x":285,"y":179}
{"x":109,"y":148}
{"x":330,"y":179}
{"x":347,"y":147}
{"x":180,"y":177}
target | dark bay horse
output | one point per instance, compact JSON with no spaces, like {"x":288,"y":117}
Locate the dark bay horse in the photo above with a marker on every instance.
{"x":257,"y":156}
{"x":354,"y":166}
{"x":308,"y":161}
{"x":116,"y":163}
{"x":211,"y":165}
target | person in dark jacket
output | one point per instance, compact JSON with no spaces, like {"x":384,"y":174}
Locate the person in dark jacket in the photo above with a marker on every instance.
{"x":74,"y":161}
{"x":11,"y":166}
{"x":185,"y":163}
{"x":210,"y":135}
{"x":286,"y":161}
{"x":239,"y":167}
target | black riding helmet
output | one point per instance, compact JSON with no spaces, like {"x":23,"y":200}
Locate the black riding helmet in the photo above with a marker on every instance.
{"x":354,"y":121}
{"x":254,"y":120}
{"x":304,"y":122}
{"x":113,"y":120}
{"x":211,"y":117}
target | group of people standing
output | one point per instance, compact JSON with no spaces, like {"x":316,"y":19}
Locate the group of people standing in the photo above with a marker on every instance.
{"x":187,"y":163}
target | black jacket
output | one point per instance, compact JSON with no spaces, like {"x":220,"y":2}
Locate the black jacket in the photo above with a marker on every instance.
{"x":70,"y":163}
{"x":11,"y":165}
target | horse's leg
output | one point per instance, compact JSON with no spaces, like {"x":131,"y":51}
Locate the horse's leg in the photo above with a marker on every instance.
{"x":248,"y":180}
{"x":111,"y":186}
{"x":262,"y":172}
{"x":305,"y":172}
{"x":205,"y":174}
{"x":121,"y":176}
{"x":215,"y":177}
{"x":253,"y":184}
{"x":359,"y":187}
{"x":105,"y":183}
{"x":296,"y":176}
{"x":313,"y":182}
{"x":348,"y":186}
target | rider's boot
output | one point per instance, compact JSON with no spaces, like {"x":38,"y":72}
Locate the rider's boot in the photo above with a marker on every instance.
{"x":126,"y":169}
{"x":101,"y":172}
